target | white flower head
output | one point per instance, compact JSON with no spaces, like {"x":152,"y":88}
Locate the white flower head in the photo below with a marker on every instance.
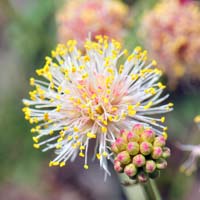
{"x":92,"y":95}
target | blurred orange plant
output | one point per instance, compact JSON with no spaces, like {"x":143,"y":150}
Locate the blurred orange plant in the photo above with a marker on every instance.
{"x":171,"y":33}
{"x":79,"y":18}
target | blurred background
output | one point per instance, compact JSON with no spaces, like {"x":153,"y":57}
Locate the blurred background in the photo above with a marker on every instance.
{"x":29,"y":30}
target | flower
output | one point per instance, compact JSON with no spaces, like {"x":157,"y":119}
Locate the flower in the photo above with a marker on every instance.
{"x":171,"y":34}
{"x":190,"y":165}
{"x":79,"y":17}
{"x":140,"y":154}
{"x":91,"y":96}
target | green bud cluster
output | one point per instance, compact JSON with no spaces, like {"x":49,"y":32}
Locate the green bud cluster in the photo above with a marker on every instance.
{"x":139,"y":153}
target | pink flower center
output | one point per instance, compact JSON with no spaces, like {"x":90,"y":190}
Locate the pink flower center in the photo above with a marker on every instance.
{"x":120,"y":157}
{"x":130,"y":146}
{"x":97,"y":102}
{"x":145,"y":146}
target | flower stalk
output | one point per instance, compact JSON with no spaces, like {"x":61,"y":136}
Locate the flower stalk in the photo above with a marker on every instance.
{"x":147,"y":191}
{"x":151,"y":190}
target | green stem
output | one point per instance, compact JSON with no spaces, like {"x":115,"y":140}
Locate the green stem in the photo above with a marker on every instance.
{"x":151,"y":190}
{"x":144,"y":191}
{"x":132,"y":191}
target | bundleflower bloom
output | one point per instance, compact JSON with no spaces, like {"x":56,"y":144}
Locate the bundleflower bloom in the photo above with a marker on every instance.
{"x":79,"y":17}
{"x":190,"y":165}
{"x":171,"y":34}
{"x":92,"y":96}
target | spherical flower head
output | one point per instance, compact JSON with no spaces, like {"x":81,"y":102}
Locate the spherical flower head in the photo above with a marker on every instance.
{"x":92,"y":95}
{"x":142,"y":159}
{"x":171,"y":33}
{"x":79,"y":17}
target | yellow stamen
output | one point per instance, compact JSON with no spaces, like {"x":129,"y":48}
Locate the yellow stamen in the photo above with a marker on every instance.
{"x":36,"y":146}
{"x":62,"y":164}
{"x":86,"y":166}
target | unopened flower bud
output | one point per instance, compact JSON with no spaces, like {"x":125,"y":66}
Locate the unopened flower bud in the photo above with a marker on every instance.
{"x":116,"y":160}
{"x":157,"y":152}
{"x":139,"y":153}
{"x":161,"y":163}
{"x":133,"y":137}
{"x":155,"y":174}
{"x":123,"y":134}
{"x":124,"y":157}
{"x":145,"y":148}
{"x":159,"y":141}
{"x":138,"y":129}
{"x":130,"y":170}
{"x":133,"y":148}
{"x":148,"y":135}
{"x":139,"y":160}
{"x":121,"y":144}
{"x":166,"y":152}
{"x":117,"y":166}
{"x":150,"y":166}
{"x":142,"y":177}
{"x":122,"y":131}
{"x":114,"y":148}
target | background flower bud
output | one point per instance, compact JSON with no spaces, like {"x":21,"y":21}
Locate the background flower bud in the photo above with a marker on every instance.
{"x":130,"y":170}
{"x":133,"y":148}
{"x":124,"y":157}
{"x":156,"y":153}
{"x":145,"y":148}
{"x":139,"y":160}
